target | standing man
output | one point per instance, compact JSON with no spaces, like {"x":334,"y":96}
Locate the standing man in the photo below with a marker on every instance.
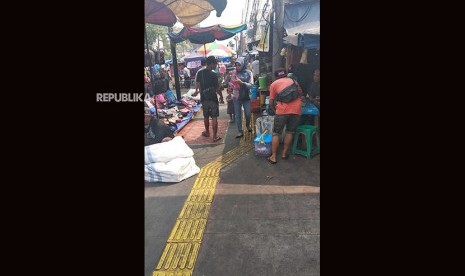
{"x":186,"y":73}
{"x":209,"y":89}
{"x":187,"y":76}
{"x":287,"y":114}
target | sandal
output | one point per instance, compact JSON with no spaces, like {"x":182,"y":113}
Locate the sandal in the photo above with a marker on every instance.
{"x":239,"y":135}
{"x":285,"y":156}
{"x":216,"y":139}
{"x":271,"y":161}
{"x":205,"y":134}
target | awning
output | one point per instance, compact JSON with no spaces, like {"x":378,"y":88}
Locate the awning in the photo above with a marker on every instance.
{"x":302,"y":18}
{"x":302,"y":24}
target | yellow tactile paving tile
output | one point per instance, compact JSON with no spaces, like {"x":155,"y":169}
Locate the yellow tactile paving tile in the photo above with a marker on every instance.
{"x":201,"y":195}
{"x":188,"y":230}
{"x":179,"y":258}
{"x":204,"y":183}
{"x":181,"y":249}
{"x":193,"y":210}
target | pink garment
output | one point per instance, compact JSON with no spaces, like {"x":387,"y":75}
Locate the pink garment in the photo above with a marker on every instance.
{"x":222,"y":69}
{"x":232,"y":83}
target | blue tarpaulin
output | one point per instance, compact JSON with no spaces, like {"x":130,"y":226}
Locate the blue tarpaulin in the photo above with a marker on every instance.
{"x":187,"y":118}
{"x":303,"y":19}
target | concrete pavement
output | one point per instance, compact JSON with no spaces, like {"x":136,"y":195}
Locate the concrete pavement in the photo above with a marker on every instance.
{"x":263,"y":220}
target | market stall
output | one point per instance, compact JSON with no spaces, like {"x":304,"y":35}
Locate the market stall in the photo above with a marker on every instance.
{"x":175,"y":114}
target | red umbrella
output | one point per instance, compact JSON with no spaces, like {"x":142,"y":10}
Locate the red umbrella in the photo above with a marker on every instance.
{"x":159,"y":14}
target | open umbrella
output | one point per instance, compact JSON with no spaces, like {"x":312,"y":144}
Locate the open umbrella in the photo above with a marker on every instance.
{"x":212,"y":46}
{"x":192,"y":12}
{"x":159,"y":14}
{"x":218,"y":53}
{"x":206,"y":34}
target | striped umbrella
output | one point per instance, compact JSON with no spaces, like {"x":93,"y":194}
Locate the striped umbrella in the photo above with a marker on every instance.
{"x":213,"y":46}
{"x":218,"y":53}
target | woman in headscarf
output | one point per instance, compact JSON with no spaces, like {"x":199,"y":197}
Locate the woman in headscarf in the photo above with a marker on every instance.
{"x":237,"y":78}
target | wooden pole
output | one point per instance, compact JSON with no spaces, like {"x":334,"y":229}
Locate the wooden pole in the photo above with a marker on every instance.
{"x":277,"y":34}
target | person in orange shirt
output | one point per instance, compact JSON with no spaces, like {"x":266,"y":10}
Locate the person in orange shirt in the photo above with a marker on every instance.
{"x":287,"y":114}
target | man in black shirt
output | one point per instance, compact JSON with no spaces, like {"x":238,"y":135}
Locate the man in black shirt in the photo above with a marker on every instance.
{"x":209,"y":88}
{"x":203,"y":62}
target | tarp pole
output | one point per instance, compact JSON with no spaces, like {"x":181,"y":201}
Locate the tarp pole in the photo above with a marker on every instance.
{"x":175,"y":67}
{"x":150,"y":68}
{"x":175,"y":71}
{"x":205,"y":49}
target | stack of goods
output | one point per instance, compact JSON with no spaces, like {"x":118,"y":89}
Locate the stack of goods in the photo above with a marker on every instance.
{"x":170,"y":161}
{"x":175,"y":114}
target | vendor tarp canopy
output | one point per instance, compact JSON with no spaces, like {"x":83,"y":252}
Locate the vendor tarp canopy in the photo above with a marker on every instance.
{"x":307,"y":41}
{"x":302,"y":24}
{"x":302,"y":18}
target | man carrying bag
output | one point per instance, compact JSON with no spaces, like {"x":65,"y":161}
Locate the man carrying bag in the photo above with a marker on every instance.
{"x":285,"y":101}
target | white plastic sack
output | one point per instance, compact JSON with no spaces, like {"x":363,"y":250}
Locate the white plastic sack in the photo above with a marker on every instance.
{"x":189,"y":94}
{"x":167,"y":151}
{"x":173,"y":171}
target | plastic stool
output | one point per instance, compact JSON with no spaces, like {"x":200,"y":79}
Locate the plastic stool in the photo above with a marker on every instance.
{"x":308,"y":131}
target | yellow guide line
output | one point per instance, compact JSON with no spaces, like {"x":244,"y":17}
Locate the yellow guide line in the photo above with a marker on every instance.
{"x":181,"y":249}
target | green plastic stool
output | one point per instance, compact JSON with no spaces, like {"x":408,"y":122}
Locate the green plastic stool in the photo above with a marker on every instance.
{"x":308,"y":131}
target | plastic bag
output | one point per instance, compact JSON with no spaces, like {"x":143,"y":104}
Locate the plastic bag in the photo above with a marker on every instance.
{"x":264,"y":123}
{"x":263,"y":144}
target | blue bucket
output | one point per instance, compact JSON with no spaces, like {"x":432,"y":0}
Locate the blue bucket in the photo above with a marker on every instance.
{"x":254,"y":92}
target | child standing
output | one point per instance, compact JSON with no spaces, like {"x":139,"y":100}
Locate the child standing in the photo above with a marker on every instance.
{"x":229,"y":99}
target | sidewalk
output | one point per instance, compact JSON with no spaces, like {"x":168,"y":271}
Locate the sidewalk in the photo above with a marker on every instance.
{"x":264,"y":219}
